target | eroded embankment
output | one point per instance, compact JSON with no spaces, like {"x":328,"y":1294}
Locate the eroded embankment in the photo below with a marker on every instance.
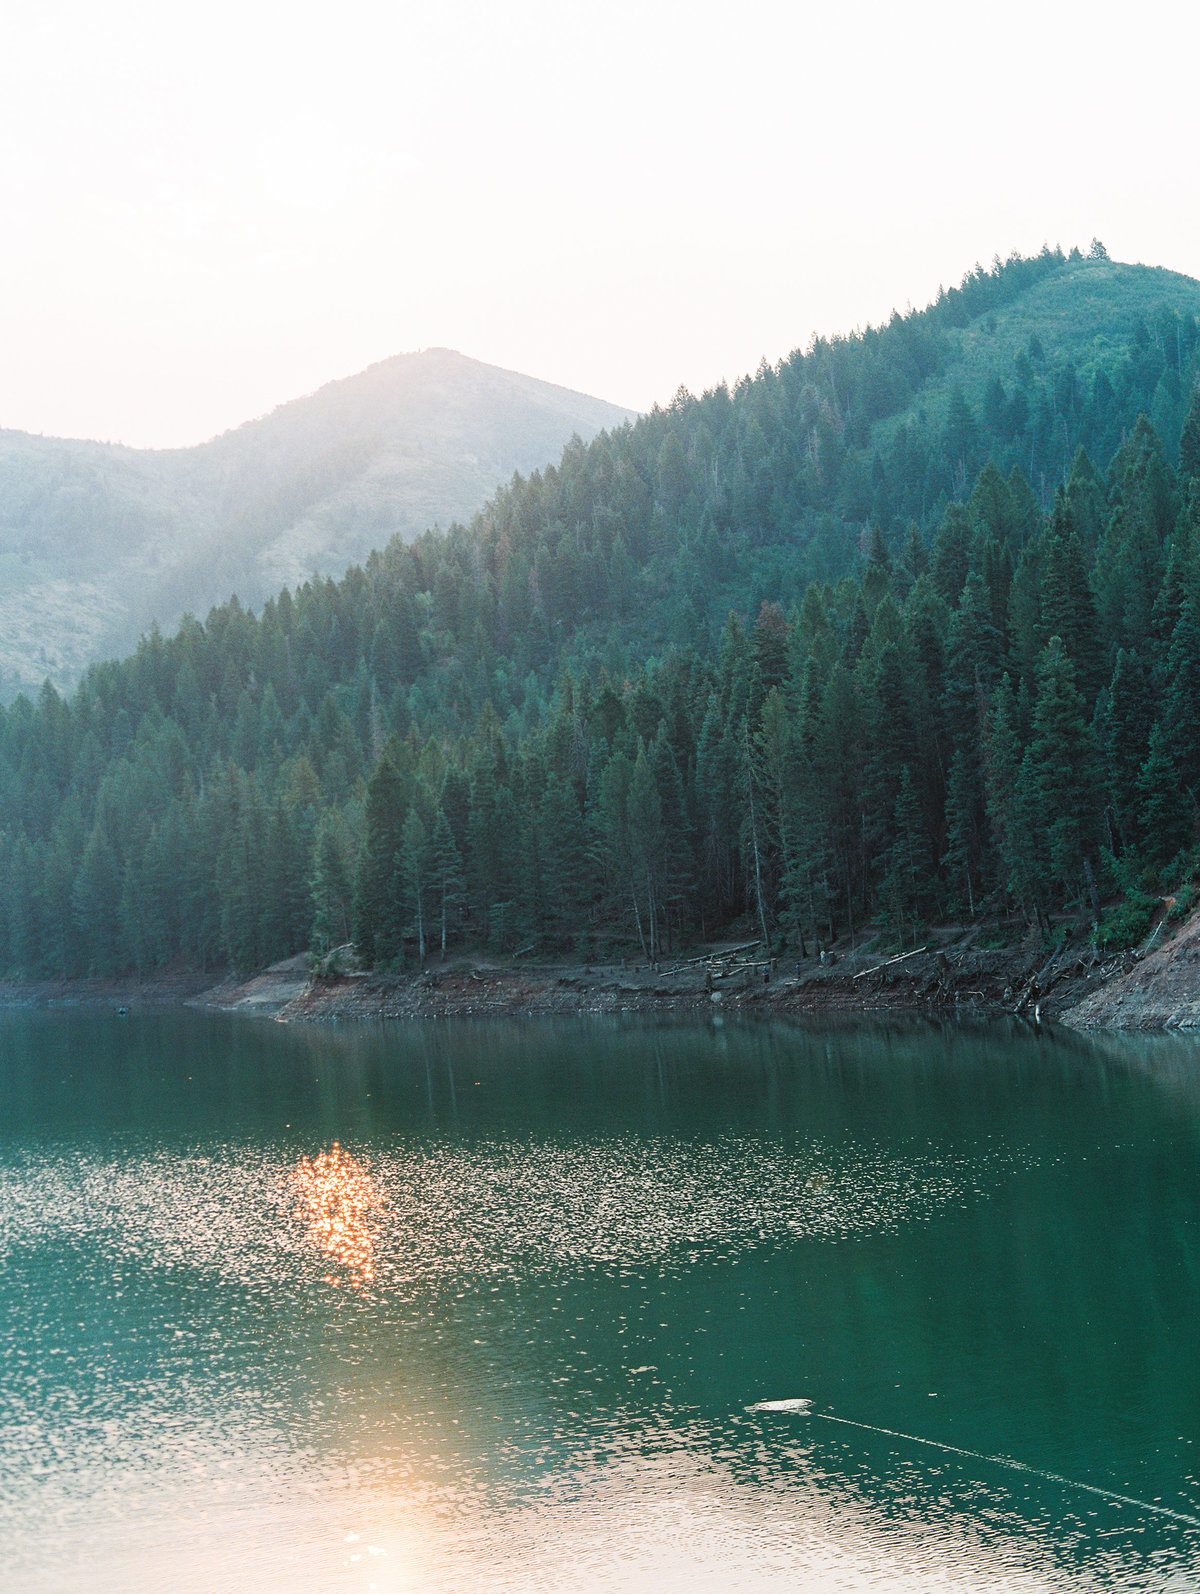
{"x":1158,"y":990}
{"x":987,"y":983}
{"x":1073,"y":985}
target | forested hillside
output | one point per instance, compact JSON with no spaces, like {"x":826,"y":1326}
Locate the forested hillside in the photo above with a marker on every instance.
{"x":849,"y":642}
{"x":96,"y":541}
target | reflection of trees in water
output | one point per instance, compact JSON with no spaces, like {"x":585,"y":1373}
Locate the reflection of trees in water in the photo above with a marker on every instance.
{"x":337,"y":1197}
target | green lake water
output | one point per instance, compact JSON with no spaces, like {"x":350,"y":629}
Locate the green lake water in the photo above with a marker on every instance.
{"x":516,"y":1338}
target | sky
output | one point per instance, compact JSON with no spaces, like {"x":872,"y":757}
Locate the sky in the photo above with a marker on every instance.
{"x":208,"y":210}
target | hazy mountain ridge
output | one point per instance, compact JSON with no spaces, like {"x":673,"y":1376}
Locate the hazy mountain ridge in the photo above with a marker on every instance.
{"x":98,"y":540}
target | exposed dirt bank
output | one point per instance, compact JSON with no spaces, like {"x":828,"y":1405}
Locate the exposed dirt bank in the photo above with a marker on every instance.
{"x":954,"y":978}
{"x":950,"y":975}
{"x":1160,"y":990}
{"x":264,"y":994}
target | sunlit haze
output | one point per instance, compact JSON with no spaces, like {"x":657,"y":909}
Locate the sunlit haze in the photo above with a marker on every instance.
{"x":210,"y":210}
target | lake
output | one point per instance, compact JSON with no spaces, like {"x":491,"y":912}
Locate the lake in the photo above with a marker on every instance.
{"x":606,"y":1305}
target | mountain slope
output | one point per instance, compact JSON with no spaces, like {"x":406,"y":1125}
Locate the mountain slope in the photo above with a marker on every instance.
{"x":1091,"y":316}
{"x":735,"y":498}
{"x":942,"y":689}
{"x":98,"y":541}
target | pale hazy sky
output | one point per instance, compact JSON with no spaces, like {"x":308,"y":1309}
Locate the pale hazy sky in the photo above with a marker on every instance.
{"x":209,"y":209}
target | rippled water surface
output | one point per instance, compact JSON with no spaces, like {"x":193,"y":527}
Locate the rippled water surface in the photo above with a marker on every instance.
{"x":595,"y":1307}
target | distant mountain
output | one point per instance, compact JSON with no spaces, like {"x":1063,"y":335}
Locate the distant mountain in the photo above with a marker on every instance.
{"x":97,"y":541}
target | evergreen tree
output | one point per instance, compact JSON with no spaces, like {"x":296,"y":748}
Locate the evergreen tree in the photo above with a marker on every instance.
{"x":1189,"y":441}
{"x":1125,"y":734}
{"x":26,"y":913}
{"x":143,"y":907}
{"x":376,"y":928}
{"x":893,"y":744}
{"x":416,"y":859}
{"x":1165,"y":816}
{"x":1068,"y":610}
{"x":908,"y":864}
{"x":974,"y":655}
{"x":776,"y":765}
{"x":951,"y":561}
{"x":1027,"y":859}
{"x":679,"y":841}
{"x":614,"y":851}
{"x":1064,"y":766}
{"x":964,"y":803}
{"x":96,"y":904}
{"x":288,"y":907}
{"x":647,"y":849}
{"x":1085,"y":502}
{"x":488,"y":840}
{"x":446,"y":871}
{"x":1003,"y":759}
{"x":332,"y":893}
{"x":564,"y":861}
{"x":242,"y":878}
{"x":1181,"y":707}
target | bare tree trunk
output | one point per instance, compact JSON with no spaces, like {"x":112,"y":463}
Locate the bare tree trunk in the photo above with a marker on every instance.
{"x":758,"y":892}
{"x":1093,"y":892}
{"x":637,"y":914}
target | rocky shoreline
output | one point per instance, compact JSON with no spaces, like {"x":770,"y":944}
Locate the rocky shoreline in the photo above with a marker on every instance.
{"x":947,"y":979}
{"x":1157,"y":987}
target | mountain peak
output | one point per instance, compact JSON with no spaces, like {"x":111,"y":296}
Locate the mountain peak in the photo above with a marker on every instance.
{"x":97,"y":540}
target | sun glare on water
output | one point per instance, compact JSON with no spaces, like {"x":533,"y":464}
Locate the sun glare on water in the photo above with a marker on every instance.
{"x":337,"y":1198}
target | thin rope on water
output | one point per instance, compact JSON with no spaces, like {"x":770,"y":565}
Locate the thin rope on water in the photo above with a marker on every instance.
{"x":1018,"y":1466}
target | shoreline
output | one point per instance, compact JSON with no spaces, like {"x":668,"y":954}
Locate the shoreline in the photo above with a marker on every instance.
{"x":950,"y":978}
{"x":981,"y":985}
{"x":1152,"y":988}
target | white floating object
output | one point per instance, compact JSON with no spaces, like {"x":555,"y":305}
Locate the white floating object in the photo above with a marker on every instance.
{"x":781,"y":1405}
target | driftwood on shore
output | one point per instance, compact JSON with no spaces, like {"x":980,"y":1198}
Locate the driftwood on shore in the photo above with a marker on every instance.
{"x":887,"y":962}
{"x":1062,"y":966}
{"x":719,"y":957}
{"x":1155,"y":986}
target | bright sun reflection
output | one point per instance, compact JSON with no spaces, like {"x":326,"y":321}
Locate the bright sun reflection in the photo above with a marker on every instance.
{"x":337,"y":1196}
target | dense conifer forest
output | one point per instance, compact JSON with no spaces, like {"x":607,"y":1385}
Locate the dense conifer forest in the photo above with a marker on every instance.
{"x":799,"y":656}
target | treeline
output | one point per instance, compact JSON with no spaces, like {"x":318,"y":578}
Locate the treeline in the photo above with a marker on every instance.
{"x":1005,"y":719}
{"x":527,"y":732}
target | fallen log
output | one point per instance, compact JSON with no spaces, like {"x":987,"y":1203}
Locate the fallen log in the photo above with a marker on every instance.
{"x":1154,"y":937}
{"x":716,"y":957}
{"x":887,"y":962}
